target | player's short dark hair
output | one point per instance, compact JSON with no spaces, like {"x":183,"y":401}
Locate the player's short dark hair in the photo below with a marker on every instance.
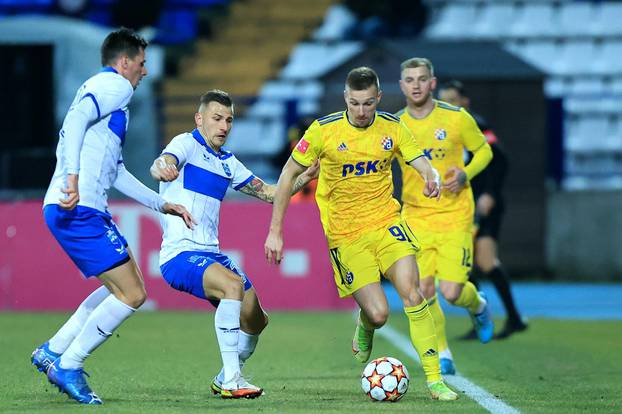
{"x":456,"y":85}
{"x":362,"y":78}
{"x":417,"y":62}
{"x":122,"y":41}
{"x":215,"y":95}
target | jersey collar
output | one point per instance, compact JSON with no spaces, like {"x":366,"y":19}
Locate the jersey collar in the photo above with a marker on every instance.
{"x":354,"y":126}
{"x":199,"y":138}
{"x":109,"y":69}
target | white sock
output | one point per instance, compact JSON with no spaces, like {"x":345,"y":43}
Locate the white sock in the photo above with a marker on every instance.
{"x":227,"y":323}
{"x":99,"y":326}
{"x":246,"y":346}
{"x":482,"y":305}
{"x":67,"y":333}
{"x":446,"y":353}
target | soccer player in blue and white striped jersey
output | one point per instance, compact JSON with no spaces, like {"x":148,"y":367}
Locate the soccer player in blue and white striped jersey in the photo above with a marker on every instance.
{"x":196,"y":171}
{"x":89,"y":162}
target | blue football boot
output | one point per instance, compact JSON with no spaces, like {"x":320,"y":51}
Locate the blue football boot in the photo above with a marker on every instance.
{"x":447,"y":367}
{"x":42,"y":357}
{"x":72,"y":383}
{"x":483,"y":323}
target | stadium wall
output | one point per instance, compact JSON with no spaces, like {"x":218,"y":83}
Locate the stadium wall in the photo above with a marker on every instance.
{"x":36,"y":275}
{"x":583,"y":237}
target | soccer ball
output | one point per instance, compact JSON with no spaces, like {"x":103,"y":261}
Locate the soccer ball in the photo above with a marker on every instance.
{"x":385,"y":379}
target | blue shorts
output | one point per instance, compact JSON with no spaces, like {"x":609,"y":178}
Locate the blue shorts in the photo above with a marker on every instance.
{"x":89,"y":237}
{"x":185,"y":271}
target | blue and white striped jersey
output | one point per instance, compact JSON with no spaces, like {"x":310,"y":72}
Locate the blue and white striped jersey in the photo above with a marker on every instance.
{"x":91,"y":139}
{"x":204,"y":177}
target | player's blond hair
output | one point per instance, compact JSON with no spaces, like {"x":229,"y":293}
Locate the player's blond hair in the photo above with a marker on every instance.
{"x":417,"y":62}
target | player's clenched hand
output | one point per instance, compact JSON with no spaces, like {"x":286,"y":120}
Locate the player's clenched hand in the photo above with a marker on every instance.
{"x":179,"y":211}
{"x":312,"y":172}
{"x":274,"y":248}
{"x":455,"y":180}
{"x":432,"y":188}
{"x":71,"y":192}
{"x":162,"y":171}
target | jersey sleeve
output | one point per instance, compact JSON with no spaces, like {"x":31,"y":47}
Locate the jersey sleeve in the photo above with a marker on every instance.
{"x":180,"y":147}
{"x":472,"y":136}
{"x":109,"y":96}
{"x":240,"y":174}
{"x":407,"y":145}
{"x":308,"y":148}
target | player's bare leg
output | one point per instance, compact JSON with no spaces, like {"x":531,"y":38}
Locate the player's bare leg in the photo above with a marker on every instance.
{"x":125,"y":282}
{"x":253,"y":320}
{"x":373,"y":314}
{"x":405,"y":278}
{"x":224,"y":285}
{"x":466,"y":296}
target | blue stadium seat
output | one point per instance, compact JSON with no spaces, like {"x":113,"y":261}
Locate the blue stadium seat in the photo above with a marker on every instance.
{"x":177,"y":26}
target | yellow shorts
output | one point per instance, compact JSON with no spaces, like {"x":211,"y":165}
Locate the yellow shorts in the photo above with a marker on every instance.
{"x":445,"y":255}
{"x":364,"y":260}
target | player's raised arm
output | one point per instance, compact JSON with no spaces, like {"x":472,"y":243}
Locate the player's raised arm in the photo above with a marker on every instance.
{"x":274,"y":242}
{"x":164,"y":168}
{"x":429,"y":174}
{"x":266,"y":192}
{"x":132,"y":187}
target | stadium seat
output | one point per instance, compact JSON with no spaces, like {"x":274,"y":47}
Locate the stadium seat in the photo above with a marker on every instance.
{"x":494,"y":21}
{"x":577,"y":18}
{"x":589,"y":133}
{"x":575,"y":56}
{"x":324,"y":58}
{"x":543,"y":54}
{"x":608,"y":21}
{"x":339,"y":19}
{"x":534,"y":20}
{"x":608,"y":61}
{"x":455,"y":20}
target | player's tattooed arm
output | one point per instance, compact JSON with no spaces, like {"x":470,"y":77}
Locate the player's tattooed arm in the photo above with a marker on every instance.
{"x":259,"y":189}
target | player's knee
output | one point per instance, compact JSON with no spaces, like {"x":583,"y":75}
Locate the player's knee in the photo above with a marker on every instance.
{"x":378,"y":317}
{"x":451,"y":294}
{"x":135,"y":298}
{"x":234,"y":289}
{"x":427,"y":290}
{"x":486,"y":264}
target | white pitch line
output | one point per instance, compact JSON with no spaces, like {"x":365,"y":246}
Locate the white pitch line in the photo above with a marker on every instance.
{"x":475,"y":392}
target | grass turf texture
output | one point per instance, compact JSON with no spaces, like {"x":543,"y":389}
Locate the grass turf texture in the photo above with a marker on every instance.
{"x":164,"y":362}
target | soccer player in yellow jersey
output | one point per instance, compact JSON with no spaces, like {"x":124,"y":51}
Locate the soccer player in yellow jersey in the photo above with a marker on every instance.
{"x":361,"y":219}
{"x":443,"y":227}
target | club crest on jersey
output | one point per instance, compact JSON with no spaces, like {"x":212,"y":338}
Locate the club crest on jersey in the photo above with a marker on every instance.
{"x":302,"y":146}
{"x":440,"y":134}
{"x":226,"y":168}
{"x":387,"y":143}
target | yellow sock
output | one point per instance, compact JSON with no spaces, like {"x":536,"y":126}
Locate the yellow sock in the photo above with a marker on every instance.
{"x":424,"y":339}
{"x":439,"y":323}
{"x":469,"y":298}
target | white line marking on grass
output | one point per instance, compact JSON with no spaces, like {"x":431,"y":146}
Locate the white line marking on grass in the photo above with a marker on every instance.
{"x":476,"y":393}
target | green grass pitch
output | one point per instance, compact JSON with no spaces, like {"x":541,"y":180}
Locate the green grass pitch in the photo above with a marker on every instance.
{"x":163,"y":362}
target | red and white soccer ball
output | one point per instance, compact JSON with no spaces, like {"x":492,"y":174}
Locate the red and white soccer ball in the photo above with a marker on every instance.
{"x":385,"y":379}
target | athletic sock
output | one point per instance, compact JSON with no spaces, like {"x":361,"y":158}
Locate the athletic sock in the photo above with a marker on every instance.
{"x":424,"y":340}
{"x":439,"y":323}
{"x":470,"y":299}
{"x":500,"y":279}
{"x":68,"y":332}
{"x":227,"y":323}
{"x":98,"y":327}
{"x":246,"y":346}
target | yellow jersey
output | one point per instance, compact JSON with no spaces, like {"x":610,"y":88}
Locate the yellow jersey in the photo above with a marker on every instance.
{"x":355,"y":187}
{"x":444,"y":135}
